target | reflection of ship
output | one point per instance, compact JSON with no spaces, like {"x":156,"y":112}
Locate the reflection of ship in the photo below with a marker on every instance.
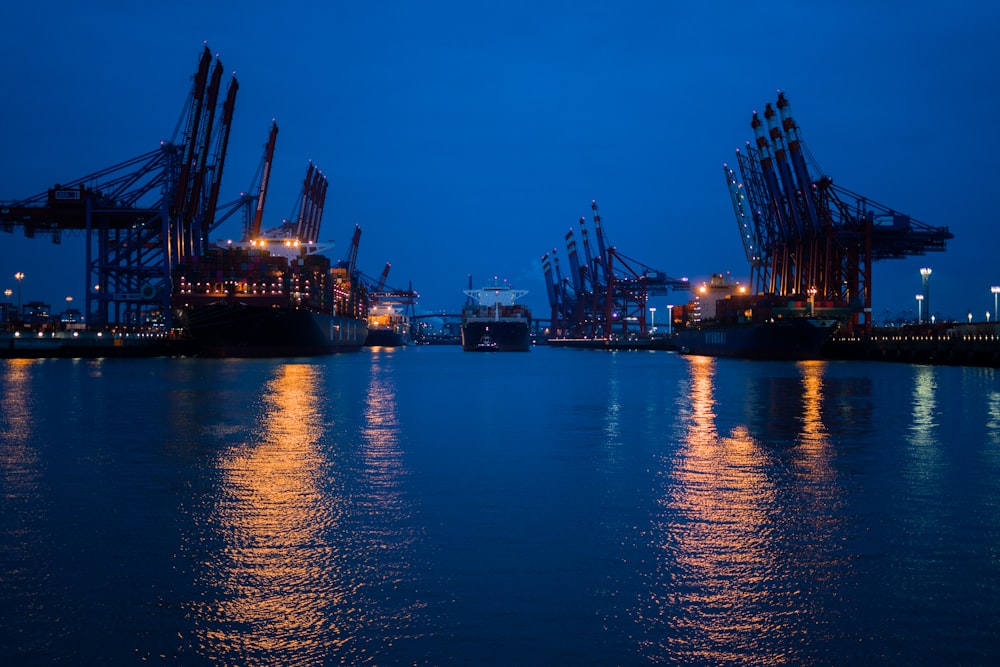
{"x":387,"y":327}
{"x":492,"y":322}
{"x":724,"y":321}
{"x":248,"y":302}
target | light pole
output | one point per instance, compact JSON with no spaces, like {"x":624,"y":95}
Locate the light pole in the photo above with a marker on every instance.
{"x":996,"y":290}
{"x":920,"y":300}
{"x":7,"y":292}
{"x":19,"y":276}
{"x":925,"y":275}
{"x":652,"y":320}
{"x":670,"y":320}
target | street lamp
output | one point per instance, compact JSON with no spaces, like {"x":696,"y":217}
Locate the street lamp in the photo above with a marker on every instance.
{"x":652,"y":319}
{"x":996,"y":290}
{"x":670,"y":320}
{"x":19,"y":276}
{"x":920,"y":300}
{"x":7,"y":292}
{"x":925,"y":274}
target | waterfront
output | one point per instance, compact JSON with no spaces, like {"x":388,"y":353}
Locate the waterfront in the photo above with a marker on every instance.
{"x":425,"y":506}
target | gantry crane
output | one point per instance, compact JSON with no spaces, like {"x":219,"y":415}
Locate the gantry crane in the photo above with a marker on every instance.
{"x":605,"y":297}
{"x":141,"y":215}
{"x":301,"y":232}
{"x":381,"y":294}
{"x":803,"y":235}
{"x":252,"y":226}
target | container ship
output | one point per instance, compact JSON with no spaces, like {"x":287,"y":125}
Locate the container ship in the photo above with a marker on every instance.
{"x":249,"y":302}
{"x":492,"y":322}
{"x":724,"y":321}
{"x":387,"y":327}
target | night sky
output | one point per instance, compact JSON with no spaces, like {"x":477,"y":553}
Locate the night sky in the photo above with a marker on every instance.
{"x":468,"y":137}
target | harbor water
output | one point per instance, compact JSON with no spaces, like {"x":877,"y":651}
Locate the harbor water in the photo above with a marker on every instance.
{"x":425,"y":506}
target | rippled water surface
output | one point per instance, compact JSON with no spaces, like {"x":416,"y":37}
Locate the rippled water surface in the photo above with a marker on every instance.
{"x":425,"y":506}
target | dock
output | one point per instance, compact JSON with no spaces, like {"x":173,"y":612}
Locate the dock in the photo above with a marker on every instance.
{"x":90,"y":345}
{"x":616,"y":343}
{"x":953,"y":344}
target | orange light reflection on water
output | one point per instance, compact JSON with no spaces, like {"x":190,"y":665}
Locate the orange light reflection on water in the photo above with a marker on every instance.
{"x":813,"y":443}
{"x":380,"y":436}
{"x":276,"y":577}
{"x":18,"y":460}
{"x":721,"y":590}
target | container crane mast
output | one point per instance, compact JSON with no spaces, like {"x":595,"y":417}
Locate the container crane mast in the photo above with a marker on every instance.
{"x":195,"y":217}
{"x":141,"y":215}
{"x":603,"y":298}
{"x":804,"y":234}
{"x":221,"y":146}
{"x":382,"y":278}
{"x":253,"y":225}
{"x":313,"y":191}
{"x":351,"y":259}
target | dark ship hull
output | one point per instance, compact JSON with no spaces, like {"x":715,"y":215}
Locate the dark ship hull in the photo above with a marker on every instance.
{"x":386,"y":338}
{"x":492,"y":322}
{"x":239,"y":330}
{"x":236,"y":302}
{"x":496,"y":336}
{"x":794,"y":338}
{"x":387,"y":327}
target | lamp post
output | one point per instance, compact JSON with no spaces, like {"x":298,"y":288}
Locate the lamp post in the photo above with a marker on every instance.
{"x":920,"y":300}
{"x":19,"y":276}
{"x":996,"y":290}
{"x":670,"y":319}
{"x":652,"y":319}
{"x":7,"y":292}
{"x":925,"y":275}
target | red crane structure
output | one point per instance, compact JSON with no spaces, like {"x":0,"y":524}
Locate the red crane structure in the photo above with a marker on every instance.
{"x":252,"y":225}
{"x":302,"y":233}
{"x":142,"y":215}
{"x":379,"y":293}
{"x":803,"y":235}
{"x":382,"y":278}
{"x":605,"y":297}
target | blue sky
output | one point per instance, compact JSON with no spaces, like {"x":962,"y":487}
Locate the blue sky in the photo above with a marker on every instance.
{"x":468,"y":137}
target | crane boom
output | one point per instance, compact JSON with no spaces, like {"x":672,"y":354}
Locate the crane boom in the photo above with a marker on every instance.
{"x":194,"y":122}
{"x":352,"y":253}
{"x":194,"y":212}
{"x":220,"y":156}
{"x":383,"y":277}
{"x":258,"y":217}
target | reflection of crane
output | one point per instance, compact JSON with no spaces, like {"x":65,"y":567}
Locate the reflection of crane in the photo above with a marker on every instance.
{"x":804,"y":235}
{"x":607,"y":296}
